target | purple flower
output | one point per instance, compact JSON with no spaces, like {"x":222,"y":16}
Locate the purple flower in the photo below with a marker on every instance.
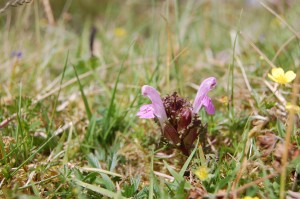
{"x":179,"y":119}
{"x":17,"y":54}
{"x":202,"y":99}
{"x":157,"y":108}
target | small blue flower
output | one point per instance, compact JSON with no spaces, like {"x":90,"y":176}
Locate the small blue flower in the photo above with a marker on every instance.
{"x":17,"y":53}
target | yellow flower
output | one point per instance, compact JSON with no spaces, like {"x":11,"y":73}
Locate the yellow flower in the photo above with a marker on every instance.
{"x":249,"y":197}
{"x":202,"y":173}
{"x":224,"y":100}
{"x":290,"y":106}
{"x":280,"y":77}
{"x":120,"y":32}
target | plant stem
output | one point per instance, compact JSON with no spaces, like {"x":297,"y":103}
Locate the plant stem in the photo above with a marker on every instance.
{"x":290,"y":124}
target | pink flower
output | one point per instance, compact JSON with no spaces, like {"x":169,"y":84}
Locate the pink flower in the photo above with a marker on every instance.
{"x":202,"y":99}
{"x":157,"y":108}
{"x":178,"y":118}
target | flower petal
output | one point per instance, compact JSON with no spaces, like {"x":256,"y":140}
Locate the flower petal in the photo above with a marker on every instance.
{"x":290,"y":76}
{"x":146,"y":112}
{"x":157,"y":104}
{"x":202,"y":173}
{"x":209,"y":107}
{"x":276,"y":72}
{"x":207,"y":85}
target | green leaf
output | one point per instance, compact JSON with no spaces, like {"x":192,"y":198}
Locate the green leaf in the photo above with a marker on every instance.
{"x":92,"y":159}
{"x":176,"y":175}
{"x":295,"y":163}
{"x":187,"y":162}
{"x":85,"y":101}
{"x":100,"y":171}
{"x":97,"y":189}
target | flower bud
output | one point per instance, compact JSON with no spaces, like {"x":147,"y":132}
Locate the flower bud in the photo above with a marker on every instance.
{"x":190,"y":138}
{"x":170,"y":133}
{"x":185,"y":118}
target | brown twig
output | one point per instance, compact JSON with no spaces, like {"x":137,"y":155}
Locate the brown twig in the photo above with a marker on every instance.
{"x":13,"y":3}
{"x":281,"y":19}
{"x":256,"y":182}
{"x":289,"y":129}
{"x":277,"y":94}
{"x":48,"y":11}
{"x":257,"y":50}
{"x":5,"y":122}
{"x":235,"y":192}
{"x":283,"y":47}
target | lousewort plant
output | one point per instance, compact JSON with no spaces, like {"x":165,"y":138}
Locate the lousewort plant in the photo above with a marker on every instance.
{"x":177,"y":117}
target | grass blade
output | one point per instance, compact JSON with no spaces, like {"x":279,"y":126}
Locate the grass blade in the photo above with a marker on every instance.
{"x":60,"y":86}
{"x":112,"y":100}
{"x":85,"y":101}
{"x":187,"y":162}
{"x":97,"y":189}
{"x":151,"y":186}
{"x":176,"y":175}
{"x":100,"y":171}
